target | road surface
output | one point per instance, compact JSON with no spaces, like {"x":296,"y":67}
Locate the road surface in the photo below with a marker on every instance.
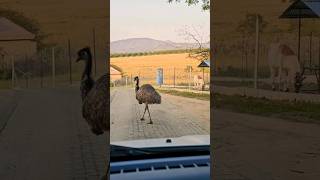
{"x":45,"y":137}
{"x":174,"y":117}
{"x":248,"y":147}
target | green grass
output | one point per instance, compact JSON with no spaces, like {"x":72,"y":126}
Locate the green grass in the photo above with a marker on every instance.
{"x":294,"y":111}
{"x":5,"y":84}
{"x":186,"y":94}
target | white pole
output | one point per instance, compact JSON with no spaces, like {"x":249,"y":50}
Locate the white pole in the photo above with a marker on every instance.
{"x":257,"y":54}
{"x":53,"y":69}
{"x":12,"y":72}
{"x":126,"y":81}
{"x":190,"y":77}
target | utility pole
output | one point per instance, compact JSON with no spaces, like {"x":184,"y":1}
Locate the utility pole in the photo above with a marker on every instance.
{"x":256,"y":54}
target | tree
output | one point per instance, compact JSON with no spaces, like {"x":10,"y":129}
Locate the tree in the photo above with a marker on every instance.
{"x":248,"y":25}
{"x":205,"y":3}
{"x":198,"y":50}
{"x":29,"y":24}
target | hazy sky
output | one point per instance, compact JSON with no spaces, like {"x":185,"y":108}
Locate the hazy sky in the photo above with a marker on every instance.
{"x":157,"y":19}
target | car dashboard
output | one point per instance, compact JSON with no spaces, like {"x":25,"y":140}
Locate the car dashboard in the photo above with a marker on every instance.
{"x":177,"y":168}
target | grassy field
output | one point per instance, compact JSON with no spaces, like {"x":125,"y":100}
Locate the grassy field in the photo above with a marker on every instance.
{"x":146,"y":67}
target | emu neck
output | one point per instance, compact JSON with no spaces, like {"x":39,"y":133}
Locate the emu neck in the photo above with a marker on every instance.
{"x":88,"y":67}
{"x":137,"y":85}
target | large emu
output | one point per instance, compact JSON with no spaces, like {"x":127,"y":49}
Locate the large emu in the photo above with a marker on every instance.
{"x":148,"y":95}
{"x":94,"y":96}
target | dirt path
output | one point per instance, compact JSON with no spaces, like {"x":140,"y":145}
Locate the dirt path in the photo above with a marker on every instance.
{"x":254,"y":147}
{"x":174,"y":117}
{"x":46,"y":138}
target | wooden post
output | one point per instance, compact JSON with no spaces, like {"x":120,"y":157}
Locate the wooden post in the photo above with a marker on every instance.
{"x":12,"y":73}
{"x":203,"y":79}
{"x":70,"y":62}
{"x":53,"y":68}
{"x":256,"y":54}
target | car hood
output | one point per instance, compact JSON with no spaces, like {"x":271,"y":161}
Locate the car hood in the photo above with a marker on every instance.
{"x":193,"y":140}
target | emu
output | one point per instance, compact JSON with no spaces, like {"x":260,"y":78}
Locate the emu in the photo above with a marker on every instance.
{"x":94,"y":95}
{"x":148,"y":95}
{"x":283,"y":62}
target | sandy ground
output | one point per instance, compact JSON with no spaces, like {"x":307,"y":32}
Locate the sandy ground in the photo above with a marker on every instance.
{"x":253,"y":147}
{"x":46,"y":138}
{"x":174,"y":117}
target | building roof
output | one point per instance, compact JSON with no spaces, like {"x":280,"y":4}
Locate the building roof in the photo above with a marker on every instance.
{"x":205,"y":63}
{"x":303,"y":9}
{"x":113,"y":71}
{"x":9,"y":31}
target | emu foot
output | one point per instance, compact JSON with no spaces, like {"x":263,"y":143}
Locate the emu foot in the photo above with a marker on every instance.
{"x":142,"y":119}
{"x":150,"y":122}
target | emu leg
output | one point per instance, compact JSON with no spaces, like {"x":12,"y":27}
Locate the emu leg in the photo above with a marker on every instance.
{"x":145,"y":109}
{"x":149,"y":115}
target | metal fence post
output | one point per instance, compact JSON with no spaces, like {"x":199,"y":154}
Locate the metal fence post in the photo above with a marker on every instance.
{"x":256,"y":54}
{"x":174,"y":77}
{"x":94,"y":51}
{"x":12,"y":73}
{"x":190,"y":77}
{"x":70,"y":62}
{"x":53,"y":68}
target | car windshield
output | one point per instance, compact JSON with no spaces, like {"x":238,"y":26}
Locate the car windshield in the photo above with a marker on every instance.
{"x":159,"y":79}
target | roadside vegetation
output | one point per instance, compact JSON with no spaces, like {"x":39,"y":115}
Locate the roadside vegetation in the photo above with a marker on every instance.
{"x":288,"y":110}
{"x":177,"y":51}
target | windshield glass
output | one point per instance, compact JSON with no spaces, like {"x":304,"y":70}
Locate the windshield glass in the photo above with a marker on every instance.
{"x":160,"y":72}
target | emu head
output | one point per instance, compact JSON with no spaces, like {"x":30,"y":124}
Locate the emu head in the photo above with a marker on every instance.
{"x":136,"y":79}
{"x":84,"y":54}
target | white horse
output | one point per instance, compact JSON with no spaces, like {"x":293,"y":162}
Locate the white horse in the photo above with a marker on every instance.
{"x":284,"y":67}
{"x":198,"y":82}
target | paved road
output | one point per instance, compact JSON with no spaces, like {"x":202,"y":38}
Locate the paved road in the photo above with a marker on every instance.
{"x":46,"y":138}
{"x":8,"y":103}
{"x":252,"y":147}
{"x":174,"y":117}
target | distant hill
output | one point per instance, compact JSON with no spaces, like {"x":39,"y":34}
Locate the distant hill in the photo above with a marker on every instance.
{"x":147,"y":45}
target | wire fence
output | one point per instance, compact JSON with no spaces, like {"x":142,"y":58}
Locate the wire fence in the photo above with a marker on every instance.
{"x":50,"y":67}
{"x":234,"y":60}
{"x":178,"y":77}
